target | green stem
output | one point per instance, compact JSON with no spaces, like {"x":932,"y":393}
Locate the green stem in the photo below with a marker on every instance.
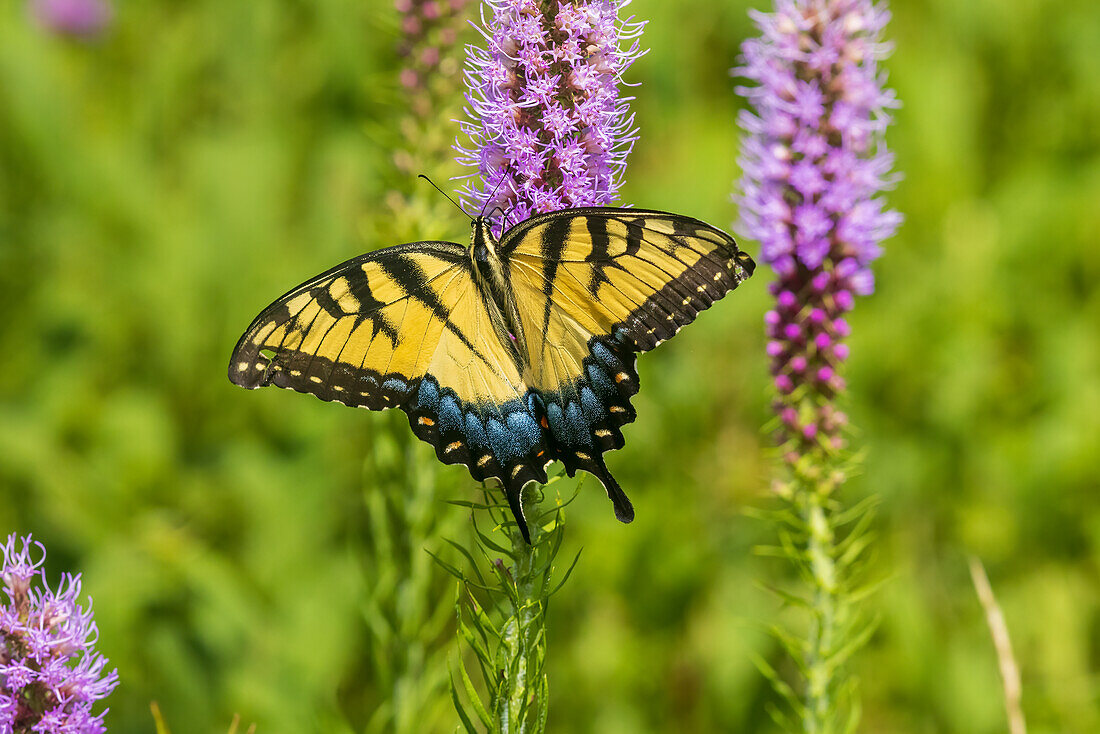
{"x":511,"y":653}
{"x":820,"y":675}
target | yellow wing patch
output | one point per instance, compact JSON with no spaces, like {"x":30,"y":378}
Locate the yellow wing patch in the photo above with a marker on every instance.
{"x":602,"y":273}
{"x":365,"y":331}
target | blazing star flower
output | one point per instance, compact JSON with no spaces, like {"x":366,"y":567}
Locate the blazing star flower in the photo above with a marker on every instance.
{"x":547,"y":128}
{"x":427,"y":35}
{"x":84,"y":18}
{"x":814,"y":161}
{"x":50,"y":675}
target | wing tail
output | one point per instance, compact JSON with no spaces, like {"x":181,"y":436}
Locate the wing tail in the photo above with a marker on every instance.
{"x":624,"y":510}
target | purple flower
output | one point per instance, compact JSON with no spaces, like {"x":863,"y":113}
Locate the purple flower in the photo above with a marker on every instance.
{"x":428,"y":35}
{"x":547,"y":126}
{"x":50,"y":675}
{"x":85,"y":18}
{"x":814,"y":162}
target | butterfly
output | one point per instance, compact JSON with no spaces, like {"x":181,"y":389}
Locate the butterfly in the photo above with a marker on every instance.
{"x":510,"y":353}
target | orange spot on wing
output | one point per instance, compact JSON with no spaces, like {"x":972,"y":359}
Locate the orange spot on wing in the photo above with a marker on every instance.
{"x":543,"y":423}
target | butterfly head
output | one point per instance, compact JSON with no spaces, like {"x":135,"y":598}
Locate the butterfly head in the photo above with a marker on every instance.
{"x":482,"y":243}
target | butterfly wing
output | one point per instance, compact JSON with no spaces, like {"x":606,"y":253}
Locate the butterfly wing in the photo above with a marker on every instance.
{"x":405,"y":327}
{"x":595,"y":286}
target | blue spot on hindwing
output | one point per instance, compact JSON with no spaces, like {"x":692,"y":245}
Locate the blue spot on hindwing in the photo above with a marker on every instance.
{"x":475,"y":432}
{"x":526,"y":431}
{"x":555,"y":418}
{"x":427,"y":395}
{"x":591,"y":406}
{"x":504,"y":443}
{"x":395,"y":384}
{"x":601,"y":382}
{"x":450,"y":417}
{"x":568,"y":426}
{"x":577,"y":426}
{"x":604,"y":355}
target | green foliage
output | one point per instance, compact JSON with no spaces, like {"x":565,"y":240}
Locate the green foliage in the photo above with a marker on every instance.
{"x":159,"y":186}
{"x":162,"y":726}
{"x":406,"y":604}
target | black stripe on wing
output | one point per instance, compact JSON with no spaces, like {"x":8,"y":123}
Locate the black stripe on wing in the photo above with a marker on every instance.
{"x":706,"y":276}
{"x":255,"y":363}
{"x":682,"y":297}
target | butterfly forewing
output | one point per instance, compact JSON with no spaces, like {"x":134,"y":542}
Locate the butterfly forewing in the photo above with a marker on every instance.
{"x":643,"y":273}
{"x":358,"y":331}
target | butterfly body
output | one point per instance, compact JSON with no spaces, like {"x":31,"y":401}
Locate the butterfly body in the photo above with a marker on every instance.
{"x":505,"y":355}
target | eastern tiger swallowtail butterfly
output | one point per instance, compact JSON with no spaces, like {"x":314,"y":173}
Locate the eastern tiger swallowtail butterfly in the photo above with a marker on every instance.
{"x":505,"y":355}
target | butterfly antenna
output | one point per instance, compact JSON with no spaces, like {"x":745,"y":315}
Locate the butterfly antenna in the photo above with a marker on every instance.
{"x":508,"y":214}
{"x":444,"y":193}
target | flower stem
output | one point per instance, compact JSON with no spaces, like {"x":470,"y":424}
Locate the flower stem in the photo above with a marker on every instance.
{"x":507,"y":634}
{"x":820,"y":549}
{"x":815,"y":164}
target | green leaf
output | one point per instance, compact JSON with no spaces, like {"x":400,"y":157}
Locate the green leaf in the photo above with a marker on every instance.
{"x":469,"y":558}
{"x":467,"y":724}
{"x":158,"y":718}
{"x":788,"y":598}
{"x":850,"y":550}
{"x":471,"y":693}
{"x":781,"y":687}
{"x":860,"y":639}
{"x":861,"y":511}
{"x":489,"y":543}
{"x":568,"y":573}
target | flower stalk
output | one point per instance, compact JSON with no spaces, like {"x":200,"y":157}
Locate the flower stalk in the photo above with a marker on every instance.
{"x":546,"y":128}
{"x":85,"y":19}
{"x":814,"y":162}
{"x":502,"y":617}
{"x":418,"y":130}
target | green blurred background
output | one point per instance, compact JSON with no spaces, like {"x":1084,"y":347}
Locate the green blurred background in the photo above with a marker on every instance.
{"x":252,"y":553}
